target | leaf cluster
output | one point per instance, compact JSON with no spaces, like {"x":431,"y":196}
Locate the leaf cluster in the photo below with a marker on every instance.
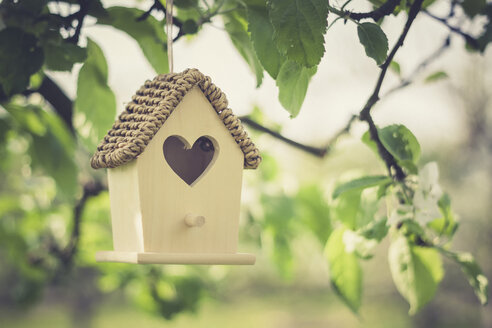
{"x":415,"y":215}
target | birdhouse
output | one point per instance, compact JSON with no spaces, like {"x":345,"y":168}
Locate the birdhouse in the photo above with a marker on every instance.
{"x":175,"y":158}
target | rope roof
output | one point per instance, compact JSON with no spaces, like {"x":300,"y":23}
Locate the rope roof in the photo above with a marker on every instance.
{"x":151,"y":107}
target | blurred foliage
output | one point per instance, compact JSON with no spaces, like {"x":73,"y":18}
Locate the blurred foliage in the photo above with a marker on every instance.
{"x":54,"y":211}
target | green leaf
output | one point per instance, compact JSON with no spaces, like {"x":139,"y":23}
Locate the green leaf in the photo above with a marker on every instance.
{"x":186,"y":3}
{"x":236,"y":27}
{"x":436,"y":77}
{"x":409,"y":227}
{"x":279,"y":214}
{"x":95,"y":101}
{"x":30,"y":7}
{"x":395,"y":67}
{"x":427,"y":3}
{"x":443,"y":228}
{"x":269,"y":169}
{"x":409,"y":148}
{"x":27,"y":119}
{"x":401,"y":143}
{"x":375,"y":42}
{"x":149,"y":33}
{"x":48,"y":152}
{"x":4,"y":129}
{"x":376,"y":229}
{"x":190,"y":13}
{"x":410,"y":166}
{"x":473,"y":273}
{"x":36,"y":80}
{"x":447,"y":224}
{"x":52,"y":147}
{"x":190,"y":27}
{"x":95,"y":8}
{"x":314,"y":211}
{"x":383,"y":189}
{"x":366,"y":139}
{"x":261,"y":30}
{"x":473,"y":7}
{"x":416,"y":272}
{"x":282,"y":256}
{"x":347,"y":208}
{"x":299,"y":29}
{"x":293,"y":81}
{"x":377,"y":3}
{"x":345,"y":270}
{"x":62,"y":57}
{"x":20,"y":57}
{"x":361,"y":183}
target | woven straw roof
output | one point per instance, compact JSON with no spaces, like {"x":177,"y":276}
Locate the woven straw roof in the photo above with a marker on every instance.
{"x":149,"y":110}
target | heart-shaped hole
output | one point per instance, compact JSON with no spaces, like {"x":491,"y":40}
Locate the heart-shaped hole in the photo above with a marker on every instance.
{"x":190,"y":163}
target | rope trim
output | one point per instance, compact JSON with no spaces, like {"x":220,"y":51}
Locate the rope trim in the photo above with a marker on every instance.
{"x":153,"y":103}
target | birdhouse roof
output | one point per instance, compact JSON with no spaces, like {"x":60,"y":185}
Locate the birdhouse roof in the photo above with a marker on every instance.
{"x":152,"y":106}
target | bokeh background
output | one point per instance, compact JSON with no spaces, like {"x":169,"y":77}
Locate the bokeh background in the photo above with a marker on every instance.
{"x":452,"y":119}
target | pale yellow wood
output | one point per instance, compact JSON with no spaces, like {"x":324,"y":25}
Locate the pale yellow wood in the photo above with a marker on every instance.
{"x":126,"y":215}
{"x":166,"y":199}
{"x":194,"y":221}
{"x":176,"y":258}
{"x":113,"y":256}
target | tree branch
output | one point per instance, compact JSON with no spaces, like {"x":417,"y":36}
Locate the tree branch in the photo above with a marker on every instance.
{"x":157,"y":5}
{"x":91,"y":189}
{"x":66,"y":255}
{"x":473,"y":42}
{"x":386,"y":9}
{"x":60,"y":102}
{"x":320,"y":152}
{"x":79,"y":17}
{"x":365,"y":113}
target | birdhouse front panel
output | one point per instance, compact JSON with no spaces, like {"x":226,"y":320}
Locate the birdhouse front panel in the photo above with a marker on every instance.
{"x":175,"y":158}
{"x":213,"y":191}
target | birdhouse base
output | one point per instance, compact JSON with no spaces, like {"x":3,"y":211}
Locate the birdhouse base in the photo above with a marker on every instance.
{"x":176,"y":258}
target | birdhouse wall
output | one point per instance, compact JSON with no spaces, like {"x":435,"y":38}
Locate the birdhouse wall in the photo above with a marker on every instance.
{"x":166,"y":199}
{"x":126,"y":214}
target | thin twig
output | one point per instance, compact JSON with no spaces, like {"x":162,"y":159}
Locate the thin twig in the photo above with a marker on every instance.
{"x":66,"y":255}
{"x":206,"y":4}
{"x":385,"y":9}
{"x":91,"y":189}
{"x":426,"y":62}
{"x":473,"y":42}
{"x":79,"y":17}
{"x":320,"y":152}
{"x":365,"y":113}
{"x":343,"y":131}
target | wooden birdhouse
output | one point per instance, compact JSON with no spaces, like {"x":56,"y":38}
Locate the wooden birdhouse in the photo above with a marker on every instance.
{"x":175,"y":158}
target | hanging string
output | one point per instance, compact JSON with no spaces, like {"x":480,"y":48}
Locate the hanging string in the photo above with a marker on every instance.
{"x":169,"y":32}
